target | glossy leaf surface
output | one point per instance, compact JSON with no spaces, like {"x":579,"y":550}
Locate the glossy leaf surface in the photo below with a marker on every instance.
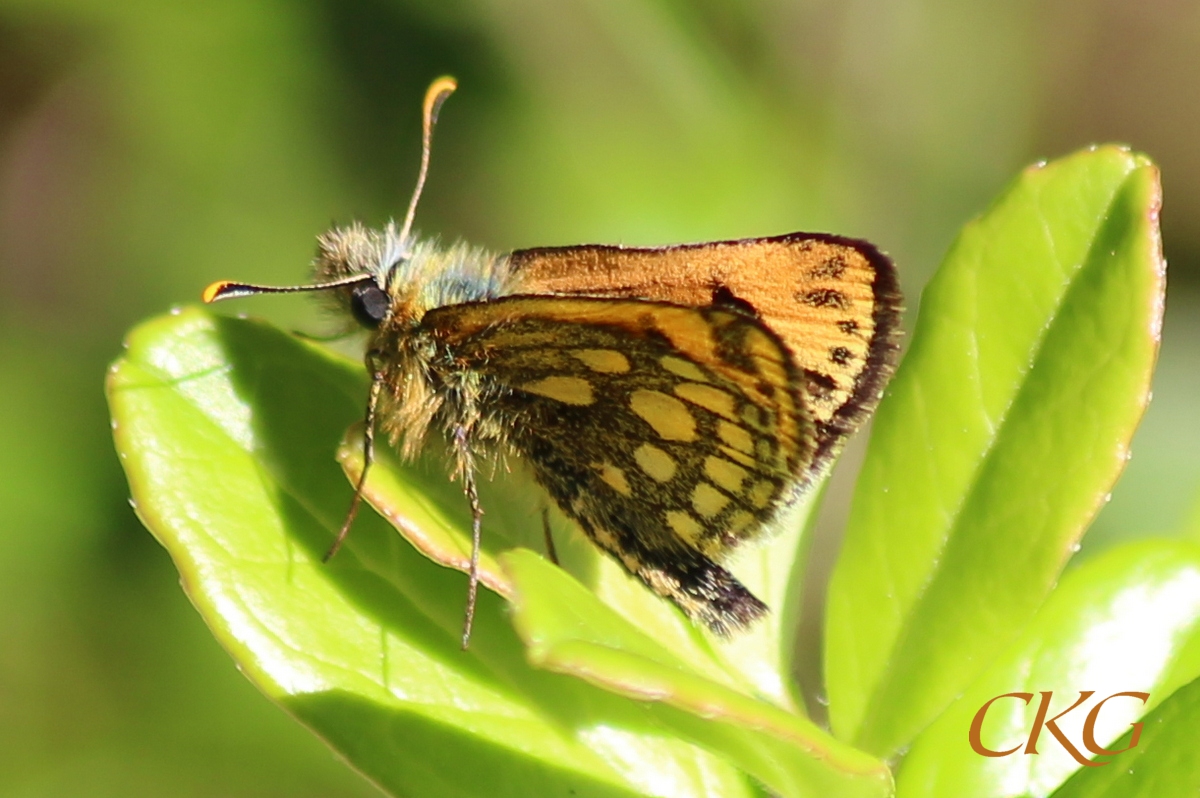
{"x":230,"y":433}
{"x":1000,"y":437}
{"x":1128,"y":621}
{"x":1162,"y":765}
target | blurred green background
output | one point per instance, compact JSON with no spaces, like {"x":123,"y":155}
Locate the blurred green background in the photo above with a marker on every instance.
{"x":147,"y":148}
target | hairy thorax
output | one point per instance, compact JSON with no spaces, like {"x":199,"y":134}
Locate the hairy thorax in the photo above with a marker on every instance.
{"x":424,"y":387}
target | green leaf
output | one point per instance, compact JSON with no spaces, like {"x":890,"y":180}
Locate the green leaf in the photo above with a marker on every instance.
{"x":998,"y":441}
{"x":1127,"y":621}
{"x":1164,"y":763}
{"x":568,"y":630}
{"x":230,"y":433}
{"x":999,"y":438}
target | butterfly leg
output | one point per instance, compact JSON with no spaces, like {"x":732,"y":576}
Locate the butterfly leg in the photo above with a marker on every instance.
{"x":368,"y":458}
{"x":550,"y":550}
{"x":462,"y":444}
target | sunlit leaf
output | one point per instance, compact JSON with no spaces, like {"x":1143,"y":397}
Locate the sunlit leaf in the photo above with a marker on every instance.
{"x":998,"y":441}
{"x":568,"y":630}
{"x":1162,"y":765}
{"x":1127,"y":621}
{"x":230,"y":433}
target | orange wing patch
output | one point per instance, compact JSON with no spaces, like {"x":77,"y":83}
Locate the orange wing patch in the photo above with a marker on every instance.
{"x":833,"y":301}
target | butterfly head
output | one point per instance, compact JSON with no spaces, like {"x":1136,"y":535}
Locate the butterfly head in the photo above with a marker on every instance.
{"x":369,"y":260}
{"x":355,"y":268}
{"x":376,"y":275}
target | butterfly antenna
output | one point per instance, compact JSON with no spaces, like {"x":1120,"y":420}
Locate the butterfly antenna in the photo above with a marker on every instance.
{"x":228,"y":289}
{"x":435,"y":95}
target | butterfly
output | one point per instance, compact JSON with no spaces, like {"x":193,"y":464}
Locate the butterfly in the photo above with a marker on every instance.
{"x":671,"y":401}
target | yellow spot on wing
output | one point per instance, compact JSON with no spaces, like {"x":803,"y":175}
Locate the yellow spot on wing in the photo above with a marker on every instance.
{"x":669,"y":417}
{"x":684,"y":525}
{"x":687,"y":331}
{"x":739,"y":521}
{"x":706,"y":396}
{"x":655,"y":462}
{"x":614,"y":478}
{"x":605,"y":361}
{"x":736,"y":456}
{"x":569,"y":390}
{"x":761,"y":493}
{"x":752,"y":416}
{"x":735,"y":436}
{"x":707,"y":501}
{"x":724,"y":473}
{"x":682,"y":368}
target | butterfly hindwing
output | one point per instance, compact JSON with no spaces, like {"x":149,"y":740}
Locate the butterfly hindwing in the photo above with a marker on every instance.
{"x":670,"y":434}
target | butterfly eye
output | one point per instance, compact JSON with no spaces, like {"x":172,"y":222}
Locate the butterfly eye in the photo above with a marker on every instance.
{"x":369,"y":304}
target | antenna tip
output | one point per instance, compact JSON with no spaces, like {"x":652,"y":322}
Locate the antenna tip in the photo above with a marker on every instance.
{"x":217,"y":291}
{"x":436,"y":94}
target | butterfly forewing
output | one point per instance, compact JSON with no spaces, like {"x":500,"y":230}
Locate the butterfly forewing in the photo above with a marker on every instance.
{"x":669,"y":433}
{"x":832,"y":301}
